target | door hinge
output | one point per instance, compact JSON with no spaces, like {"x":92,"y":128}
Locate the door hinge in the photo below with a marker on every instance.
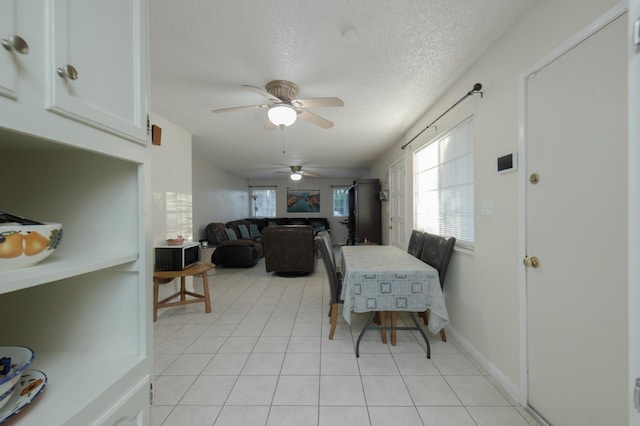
{"x":151,"y":393}
{"x":636,"y":32}
{"x":636,"y":395}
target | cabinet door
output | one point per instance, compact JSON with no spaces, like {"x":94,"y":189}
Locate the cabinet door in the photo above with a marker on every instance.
{"x":9,"y":56}
{"x":98,"y":66}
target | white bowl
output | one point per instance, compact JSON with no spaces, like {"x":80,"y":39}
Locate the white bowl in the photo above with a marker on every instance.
{"x":26,"y":245}
{"x":19,"y":358}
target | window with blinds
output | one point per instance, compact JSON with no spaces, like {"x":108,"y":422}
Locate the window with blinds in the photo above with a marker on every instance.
{"x":443,"y":172}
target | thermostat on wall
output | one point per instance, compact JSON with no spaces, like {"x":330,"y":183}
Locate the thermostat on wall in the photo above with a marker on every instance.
{"x":508,"y":163}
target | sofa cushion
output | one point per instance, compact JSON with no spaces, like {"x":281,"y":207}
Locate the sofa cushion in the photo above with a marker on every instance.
{"x":254,"y":231}
{"x":231,"y":234}
{"x":244,"y":232}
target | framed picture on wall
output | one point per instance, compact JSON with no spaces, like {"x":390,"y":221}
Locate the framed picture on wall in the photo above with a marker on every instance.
{"x":303,"y":201}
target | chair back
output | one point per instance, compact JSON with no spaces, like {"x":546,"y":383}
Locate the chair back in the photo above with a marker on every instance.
{"x":436,"y":252}
{"x":334,"y":284}
{"x":327,"y":241}
{"x":415,"y":244}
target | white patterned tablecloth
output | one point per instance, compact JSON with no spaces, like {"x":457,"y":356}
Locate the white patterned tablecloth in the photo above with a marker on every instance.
{"x":385,"y":278}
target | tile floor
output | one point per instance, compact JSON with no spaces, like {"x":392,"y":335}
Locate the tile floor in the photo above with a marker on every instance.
{"x":263,"y":357}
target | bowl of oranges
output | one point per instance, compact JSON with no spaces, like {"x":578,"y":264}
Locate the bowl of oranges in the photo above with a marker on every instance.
{"x":24,"y":242}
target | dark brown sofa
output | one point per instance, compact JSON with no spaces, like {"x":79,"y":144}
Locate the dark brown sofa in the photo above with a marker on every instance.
{"x":236,"y":252}
{"x":289,"y":249}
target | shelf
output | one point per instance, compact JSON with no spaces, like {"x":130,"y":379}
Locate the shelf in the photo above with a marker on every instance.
{"x":74,"y":381}
{"x":56,"y":268}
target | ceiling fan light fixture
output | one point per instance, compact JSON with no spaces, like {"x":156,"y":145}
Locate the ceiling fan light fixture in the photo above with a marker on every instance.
{"x":282,"y":115}
{"x":296,"y":176}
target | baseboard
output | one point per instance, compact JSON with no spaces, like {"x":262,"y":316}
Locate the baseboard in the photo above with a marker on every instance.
{"x":512,"y":390}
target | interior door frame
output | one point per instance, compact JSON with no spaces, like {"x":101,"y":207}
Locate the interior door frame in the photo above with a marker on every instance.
{"x":572,"y":42}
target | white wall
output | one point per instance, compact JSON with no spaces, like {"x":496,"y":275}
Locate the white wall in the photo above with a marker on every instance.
{"x":482,"y":287}
{"x":171,"y":180}
{"x":220,"y":196}
{"x":338,"y":231}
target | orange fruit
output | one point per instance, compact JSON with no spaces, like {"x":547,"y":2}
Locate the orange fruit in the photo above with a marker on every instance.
{"x":11,"y":246}
{"x":34,"y":243}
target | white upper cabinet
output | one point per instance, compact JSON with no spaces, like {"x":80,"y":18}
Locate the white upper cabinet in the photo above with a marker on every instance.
{"x":96,"y":70}
{"x":14,"y":47}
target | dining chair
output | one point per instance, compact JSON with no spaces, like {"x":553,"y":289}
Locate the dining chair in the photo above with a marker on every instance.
{"x":436,"y":252}
{"x":415,"y":243}
{"x":335,"y":284}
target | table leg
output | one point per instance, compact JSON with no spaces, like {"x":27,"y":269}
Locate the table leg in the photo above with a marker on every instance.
{"x":394,"y":324}
{"x":364,"y":329}
{"x":383,"y":323}
{"x":207,"y":300}
{"x":183,"y":289}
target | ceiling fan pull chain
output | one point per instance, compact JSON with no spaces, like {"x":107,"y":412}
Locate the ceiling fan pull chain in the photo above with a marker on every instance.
{"x":282,"y":126}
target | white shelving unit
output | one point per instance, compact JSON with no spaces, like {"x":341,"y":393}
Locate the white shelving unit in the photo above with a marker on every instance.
{"x":76,"y":152}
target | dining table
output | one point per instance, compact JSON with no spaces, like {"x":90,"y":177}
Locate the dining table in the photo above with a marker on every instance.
{"x":384,"y":278}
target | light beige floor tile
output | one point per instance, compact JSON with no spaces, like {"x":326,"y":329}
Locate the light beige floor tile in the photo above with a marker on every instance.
{"x":253,"y":390}
{"x":430,"y":390}
{"x":159,"y":413}
{"x":341,"y":391}
{"x":338,"y":345}
{"x":226,"y":364}
{"x":415,"y":365}
{"x":306,"y":329}
{"x":297,"y":390}
{"x":271,"y":344}
{"x":497,"y":416}
{"x":263,"y":364}
{"x":192,"y":415}
{"x":242,"y":416}
{"x":188,"y":364}
{"x":293,"y":416}
{"x":393,"y":416}
{"x":445,"y":416}
{"x":219,"y":329}
{"x":377,"y":365}
{"x":238,"y":345}
{"x":454,"y":364}
{"x":352,"y":416}
{"x":301,"y":364}
{"x":162,"y":361}
{"x":168,"y":390}
{"x":174,"y":345}
{"x":299,"y":344}
{"x":209,"y":390}
{"x":206,"y":345}
{"x":339,"y":364}
{"x":386,"y":391}
{"x":475,"y":390}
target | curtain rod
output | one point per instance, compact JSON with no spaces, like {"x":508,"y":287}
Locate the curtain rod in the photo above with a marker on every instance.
{"x":476,"y":89}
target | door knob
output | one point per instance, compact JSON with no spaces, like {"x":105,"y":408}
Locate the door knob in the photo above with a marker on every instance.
{"x":16,"y":44}
{"x":532,"y":261}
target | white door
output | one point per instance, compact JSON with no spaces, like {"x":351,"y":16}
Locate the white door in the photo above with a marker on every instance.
{"x":576,"y":225}
{"x":397,"y":205}
{"x":634,"y":208}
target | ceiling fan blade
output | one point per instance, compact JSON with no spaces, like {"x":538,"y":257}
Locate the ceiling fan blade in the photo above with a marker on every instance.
{"x":262,"y":92}
{"x":309,"y":174}
{"x":315,"y":119}
{"x":318,"y":102}
{"x":240,"y":108}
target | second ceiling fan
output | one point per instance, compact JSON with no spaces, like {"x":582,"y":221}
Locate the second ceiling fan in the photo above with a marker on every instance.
{"x":285,"y":108}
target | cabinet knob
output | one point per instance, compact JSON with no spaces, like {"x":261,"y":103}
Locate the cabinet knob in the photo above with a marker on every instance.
{"x":16,"y":44}
{"x":68,"y":72}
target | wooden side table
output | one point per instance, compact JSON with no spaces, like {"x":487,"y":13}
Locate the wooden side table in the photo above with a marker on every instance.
{"x":160,"y":277}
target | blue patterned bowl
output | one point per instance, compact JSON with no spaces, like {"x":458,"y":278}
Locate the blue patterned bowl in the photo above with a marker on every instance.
{"x":13,"y":361}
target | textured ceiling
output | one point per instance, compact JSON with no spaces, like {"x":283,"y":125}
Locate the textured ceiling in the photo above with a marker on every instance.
{"x":402,"y":55}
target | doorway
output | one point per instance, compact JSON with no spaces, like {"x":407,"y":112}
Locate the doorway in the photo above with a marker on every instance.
{"x":398,"y":204}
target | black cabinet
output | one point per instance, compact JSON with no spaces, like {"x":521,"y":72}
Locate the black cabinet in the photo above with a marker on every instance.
{"x":364,"y":212}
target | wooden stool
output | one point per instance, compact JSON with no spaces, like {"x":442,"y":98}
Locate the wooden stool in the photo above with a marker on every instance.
{"x":161,"y":277}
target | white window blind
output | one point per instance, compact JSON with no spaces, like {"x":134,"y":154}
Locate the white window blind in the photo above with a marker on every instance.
{"x":443,"y":171}
{"x":264,"y":202}
{"x":341,"y":202}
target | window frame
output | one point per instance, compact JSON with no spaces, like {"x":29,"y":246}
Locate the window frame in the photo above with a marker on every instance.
{"x":253,"y":205}
{"x":346,"y":201}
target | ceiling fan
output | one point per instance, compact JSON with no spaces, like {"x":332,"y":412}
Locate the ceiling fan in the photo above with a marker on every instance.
{"x":285,"y":107}
{"x":297,"y":173}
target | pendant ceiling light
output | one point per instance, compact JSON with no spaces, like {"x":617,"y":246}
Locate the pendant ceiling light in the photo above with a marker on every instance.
{"x":282,"y":115}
